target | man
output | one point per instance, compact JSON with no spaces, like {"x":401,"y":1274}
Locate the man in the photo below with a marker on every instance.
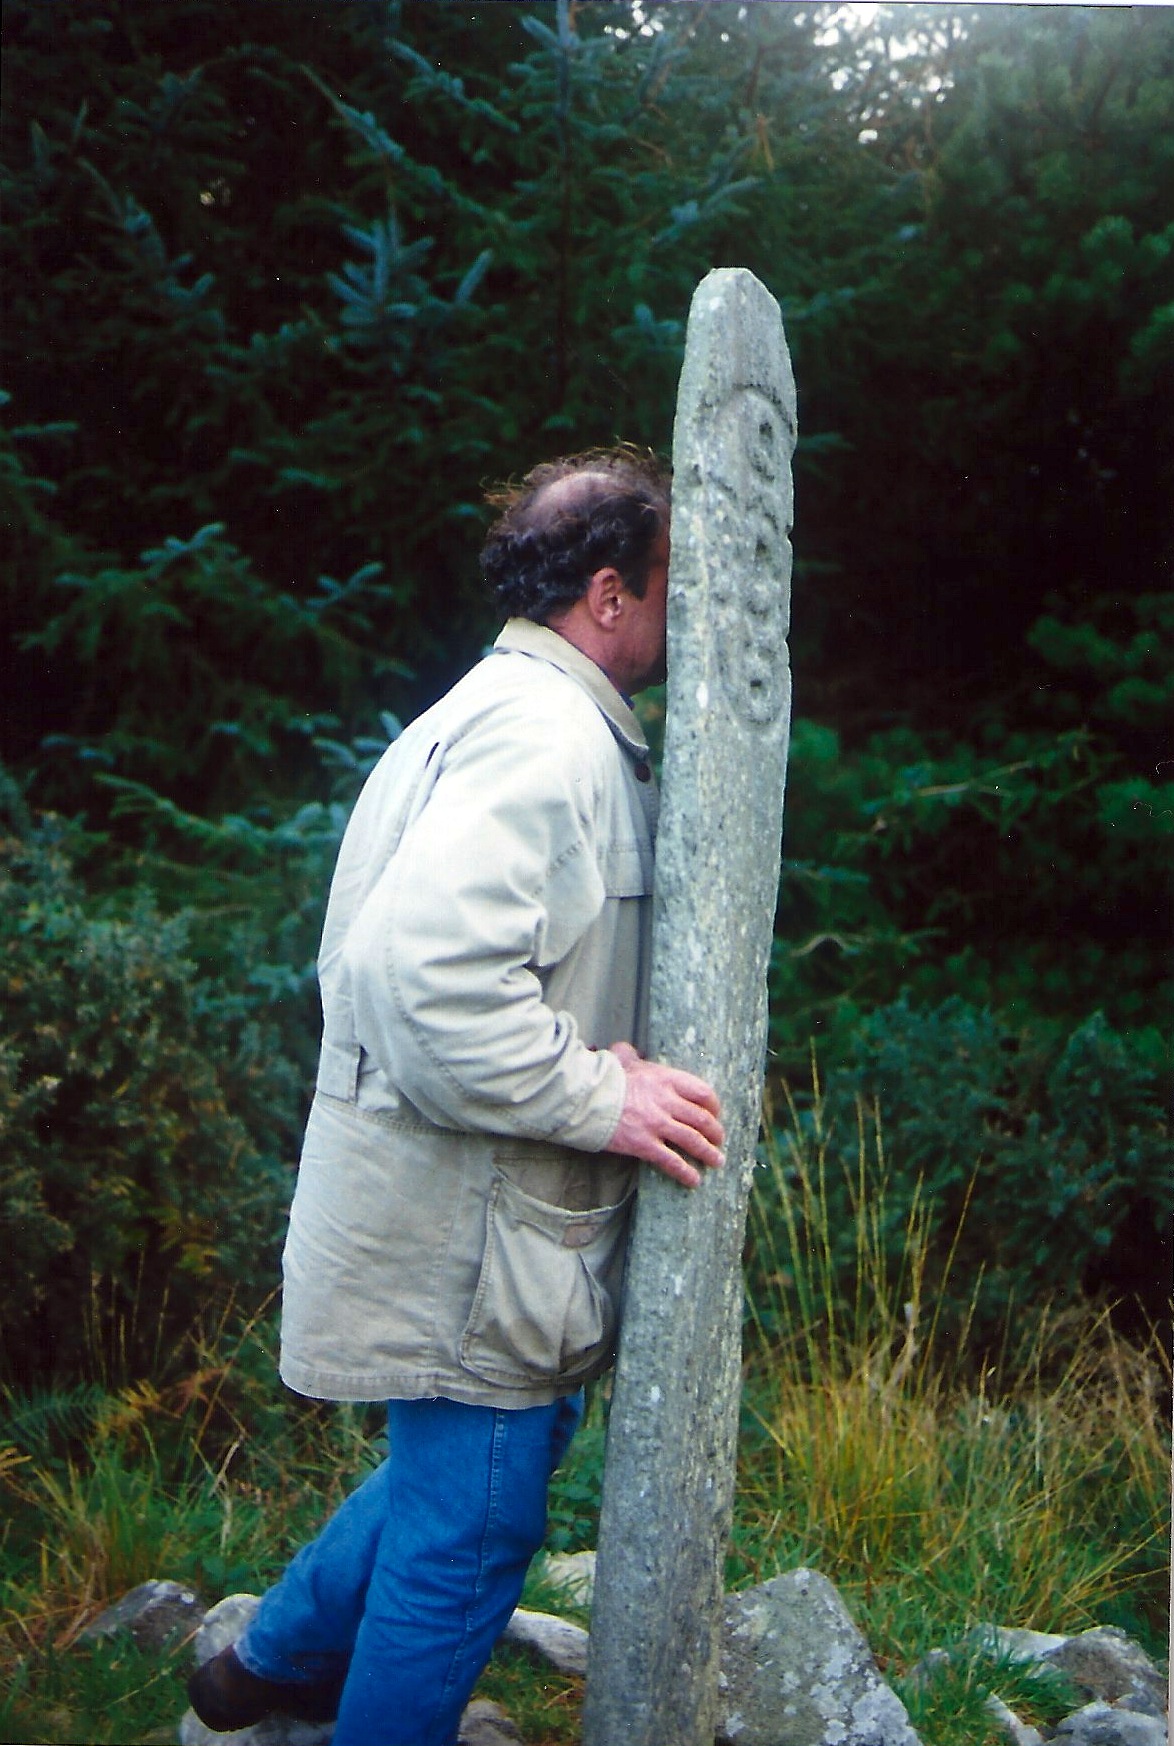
{"x":458,"y":1232}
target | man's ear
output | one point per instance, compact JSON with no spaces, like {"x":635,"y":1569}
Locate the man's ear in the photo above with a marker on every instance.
{"x":605,"y":589}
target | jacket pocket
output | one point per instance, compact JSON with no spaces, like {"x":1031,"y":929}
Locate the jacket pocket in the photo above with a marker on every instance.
{"x":547,"y":1298}
{"x":627,"y":869}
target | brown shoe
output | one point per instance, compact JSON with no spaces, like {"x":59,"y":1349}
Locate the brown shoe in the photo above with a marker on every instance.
{"x":226,"y":1696}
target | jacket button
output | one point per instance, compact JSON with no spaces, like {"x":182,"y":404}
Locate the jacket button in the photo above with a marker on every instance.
{"x":643,"y":772}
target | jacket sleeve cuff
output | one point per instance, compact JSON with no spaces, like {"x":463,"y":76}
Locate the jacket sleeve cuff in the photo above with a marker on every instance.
{"x":598,"y":1116}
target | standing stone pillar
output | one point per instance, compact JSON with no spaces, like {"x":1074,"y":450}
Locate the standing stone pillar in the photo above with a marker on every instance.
{"x":669,"y":1481}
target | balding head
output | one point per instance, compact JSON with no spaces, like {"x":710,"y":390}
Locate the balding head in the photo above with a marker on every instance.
{"x":569,"y":518}
{"x":570,"y":494}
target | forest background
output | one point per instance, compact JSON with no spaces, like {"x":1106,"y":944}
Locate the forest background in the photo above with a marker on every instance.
{"x":286,"y":285}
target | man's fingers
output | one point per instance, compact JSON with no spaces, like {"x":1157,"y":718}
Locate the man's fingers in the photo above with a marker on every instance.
{"x":693,"y":1126}
{"x":694,"y":1090}
{"x":670,"y":1119}
{"x":696,"y":1146}
{"x":687,"y":1085}
{"x":700,"y":1120}
{"x":689,"y":1128}
{"x":680,"y":1148}
{"x":676,"y":1167}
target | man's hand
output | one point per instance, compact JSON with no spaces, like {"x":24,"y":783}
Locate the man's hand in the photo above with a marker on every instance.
{"x":666,"y":1113}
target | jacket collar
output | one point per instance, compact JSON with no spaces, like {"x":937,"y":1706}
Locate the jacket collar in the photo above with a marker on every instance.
{"x":522,"y":636}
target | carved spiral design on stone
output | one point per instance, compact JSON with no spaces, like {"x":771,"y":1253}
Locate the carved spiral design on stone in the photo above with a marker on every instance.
{"x":747,"y":511}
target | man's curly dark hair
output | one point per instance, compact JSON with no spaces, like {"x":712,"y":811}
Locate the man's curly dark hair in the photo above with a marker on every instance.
{"x":569,"y":518}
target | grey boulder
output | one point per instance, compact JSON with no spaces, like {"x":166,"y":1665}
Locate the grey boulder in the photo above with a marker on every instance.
{"x":556,"y":1641}
{"x":1101,"y":1724}
{"x":223,"y":1624}
{"x":797,"y":1672}
{"x":153,"y":1613}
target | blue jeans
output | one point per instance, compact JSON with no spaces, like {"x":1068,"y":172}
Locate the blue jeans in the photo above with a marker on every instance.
{"x":409,"y":1585}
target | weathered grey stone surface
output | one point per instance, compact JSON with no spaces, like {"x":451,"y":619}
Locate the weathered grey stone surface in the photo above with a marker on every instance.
{"x":1100,"y":1724}
{"x":152,"y":1613}
{"x":1106,"y":1664}
{"x":1004,"y":1643}
{"x":486,"y":1724}
{"x":222,"y":1625}
{"x":273,"y":1731}
{"x":797,"y":1672}
{"x":1102,"y":1663}
{"x":656,"y":1630}
{"x":556,"y":1640}
{"x":1018,"y":1732}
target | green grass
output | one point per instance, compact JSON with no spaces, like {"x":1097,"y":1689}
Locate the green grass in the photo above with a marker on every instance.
{"x":212,"y":1478}
{"x":937,"y":1487}
{"x":940,"y":1488}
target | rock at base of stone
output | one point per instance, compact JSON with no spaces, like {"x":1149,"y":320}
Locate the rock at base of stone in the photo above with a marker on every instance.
{"x":1101,"y":1724}
{"x":154,"y":1614}
{"x":486,"y":1724}
{"x":557,"y":1641}
{"x":1107,"y":1664}
{"x":273,"y":1731}
{"x":797,"y":1672}
{"x":1018,"y":1732}
{"x":223,"y":1624}
{"x":1103,"y":1662}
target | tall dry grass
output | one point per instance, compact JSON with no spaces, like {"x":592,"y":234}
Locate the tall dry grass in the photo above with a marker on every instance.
{"x":939,"y":1486}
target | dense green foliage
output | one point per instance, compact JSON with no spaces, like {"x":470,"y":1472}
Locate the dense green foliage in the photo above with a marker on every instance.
{"x":1044,"y":1166}
{"x":141,"y":1117}
{"x":286,"y":284}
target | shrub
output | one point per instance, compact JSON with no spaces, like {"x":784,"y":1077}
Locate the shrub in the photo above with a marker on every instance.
{"x":1044,"y":1163}
{"x":146,"y":1120}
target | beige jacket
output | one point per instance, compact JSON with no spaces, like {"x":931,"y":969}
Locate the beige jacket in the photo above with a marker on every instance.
{"x":456,"y":1229}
